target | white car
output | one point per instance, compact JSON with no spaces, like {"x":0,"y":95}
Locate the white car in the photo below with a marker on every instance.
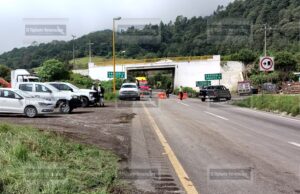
{"x":17,"y":102}
{"x":129,"y":91}
{"x":87,"y":96}
{"x":65,"y":100}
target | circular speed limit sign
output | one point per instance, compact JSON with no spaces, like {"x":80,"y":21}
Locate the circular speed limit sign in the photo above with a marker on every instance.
{"x":266,"y":64}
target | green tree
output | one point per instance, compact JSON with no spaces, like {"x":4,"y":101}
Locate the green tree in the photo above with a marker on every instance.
{"x":245,"y":55}
{"x":285,"y":61}
{"x":5,"y":72}
{"x":53,"y":70}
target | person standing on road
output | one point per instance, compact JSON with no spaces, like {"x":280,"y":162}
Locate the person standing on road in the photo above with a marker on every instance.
{"x":181,"y":92}
{"x":101,"y":92}
{"x":137,"y":83}
{"x":169,"y":90}
{"x":96,"y":94}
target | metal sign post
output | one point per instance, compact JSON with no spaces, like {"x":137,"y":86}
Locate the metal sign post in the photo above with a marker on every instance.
{"x":266,"y":65}
{"x":119,"y":74}
{"x":213,"y":76}
{"x":203,"y":83}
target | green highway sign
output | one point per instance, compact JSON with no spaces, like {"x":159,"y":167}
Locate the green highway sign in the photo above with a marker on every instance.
{"x":203,"y":83}
{"x":119,"y":74}
{"x":214,"y":76}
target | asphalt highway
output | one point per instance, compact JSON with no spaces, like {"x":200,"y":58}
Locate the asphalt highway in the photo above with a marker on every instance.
{"x":220,"y":148}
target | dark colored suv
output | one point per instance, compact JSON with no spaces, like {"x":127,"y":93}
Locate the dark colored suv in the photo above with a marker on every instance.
{"x":215,"y":93}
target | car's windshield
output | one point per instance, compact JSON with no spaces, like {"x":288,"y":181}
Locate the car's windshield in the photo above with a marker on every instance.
{"x":129,"y":86}
{"x":73,"y":86}
{"x":33,"y":79}
{"x":50,"y":87}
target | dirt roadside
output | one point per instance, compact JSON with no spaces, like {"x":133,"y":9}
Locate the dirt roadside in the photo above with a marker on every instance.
{"x":107,"y":128}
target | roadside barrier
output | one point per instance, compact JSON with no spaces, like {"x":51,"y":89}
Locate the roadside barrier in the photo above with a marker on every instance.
{"x":185,"y":96}
{"x":162,"y":95}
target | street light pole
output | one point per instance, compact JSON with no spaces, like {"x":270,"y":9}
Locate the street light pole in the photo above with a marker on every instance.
{"x":73,"y":36}
{"x":113,"y":52}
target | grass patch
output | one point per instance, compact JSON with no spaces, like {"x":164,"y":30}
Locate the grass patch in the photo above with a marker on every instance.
{"x":281,"y":103}
{"x":110,"y":96}
{"x":41,"y":162}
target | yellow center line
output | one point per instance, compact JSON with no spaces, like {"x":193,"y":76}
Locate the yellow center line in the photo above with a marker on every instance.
{"x":182,"y":175}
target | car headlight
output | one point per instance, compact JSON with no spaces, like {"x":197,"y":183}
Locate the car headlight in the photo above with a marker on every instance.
{"x":91,"y":94}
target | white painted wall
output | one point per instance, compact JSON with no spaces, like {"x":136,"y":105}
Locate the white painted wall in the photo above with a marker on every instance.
{"x":100,"y":73}
{"x":232,"y":72}
{"x":186,"y":73}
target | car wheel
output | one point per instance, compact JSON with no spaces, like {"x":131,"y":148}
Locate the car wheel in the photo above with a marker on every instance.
{"x":138,"y":98}
{"x":30,"y":112}
{"x":65,"y":108}
{"x":228,"y":98}
{"x":203,"y":99}
{"x":85,"y":101}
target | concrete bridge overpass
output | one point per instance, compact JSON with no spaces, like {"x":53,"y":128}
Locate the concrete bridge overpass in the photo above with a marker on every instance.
{"x":186,"y":73}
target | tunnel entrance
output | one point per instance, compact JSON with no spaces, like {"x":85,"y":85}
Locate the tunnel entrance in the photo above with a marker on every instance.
{"x":160,"y":78}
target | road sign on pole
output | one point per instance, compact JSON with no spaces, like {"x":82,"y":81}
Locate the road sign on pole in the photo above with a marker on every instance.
{"x":214,"y":76}
{"x":120,"y":74}
{"x":203,"y":83}
{"x":266,"y":64}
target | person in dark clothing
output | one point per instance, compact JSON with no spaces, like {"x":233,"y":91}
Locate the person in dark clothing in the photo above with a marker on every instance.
{"x":169,"y":90}
{"x":101,"y":92}
{"x":181,"y":92}
{"x":96,"y":94}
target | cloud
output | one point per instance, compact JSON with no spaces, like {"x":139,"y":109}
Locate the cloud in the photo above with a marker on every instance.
{"x":85,"y":16}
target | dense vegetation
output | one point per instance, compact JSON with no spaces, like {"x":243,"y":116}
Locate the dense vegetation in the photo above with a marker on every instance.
{"x":274,"y":103}
{"x":227,"y":31}
{"x":5,"y":72}
{"x":32,"y":161}
{"x":52,"y":70}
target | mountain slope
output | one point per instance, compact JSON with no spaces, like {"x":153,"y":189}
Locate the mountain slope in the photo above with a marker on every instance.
{"x":227,"y":30}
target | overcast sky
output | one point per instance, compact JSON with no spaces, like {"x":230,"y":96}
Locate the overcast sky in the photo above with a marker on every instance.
{"x":84,"y":16}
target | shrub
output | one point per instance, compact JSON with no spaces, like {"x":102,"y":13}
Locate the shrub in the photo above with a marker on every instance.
{"x":282,"y":103}
{"x":80,"y":80}
{"x":110,"y":96}
{"x":53,"y":70}
{"x":190,"y":91}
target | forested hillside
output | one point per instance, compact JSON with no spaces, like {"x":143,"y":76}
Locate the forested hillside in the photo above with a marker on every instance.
{"x":228,"y":30}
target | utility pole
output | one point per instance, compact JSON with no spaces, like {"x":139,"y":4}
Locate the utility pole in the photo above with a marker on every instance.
{"x":265,"y":47}
{"x":113,"y":52}
{"x":73,"y":36}
{"x":90,"y":51}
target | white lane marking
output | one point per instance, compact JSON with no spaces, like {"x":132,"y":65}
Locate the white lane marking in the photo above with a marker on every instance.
{"x":183,"y":103}
{"x":216,"y":115}
{"x":294,"y":143}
